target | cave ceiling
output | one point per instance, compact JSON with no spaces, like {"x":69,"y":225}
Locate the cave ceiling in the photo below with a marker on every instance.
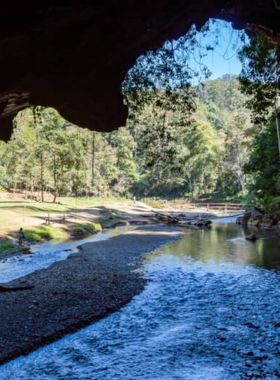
{"x":74,"y":55}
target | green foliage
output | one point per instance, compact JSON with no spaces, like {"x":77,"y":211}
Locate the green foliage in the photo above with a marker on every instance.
{"x":83,"y":229}
{"x":125,"y":146}
{"x":201,"y":159}
{"x":6,"y":246}
{"x":222,"y":104}
{"x":264,"y":166}
{"x":164,"y":77}
{"x":260,"y":81}
{"x":187,"y":157}
{"x":47,"y":154}
{"x":260,"y":76}
{"x":163,"y":151}
{"x":44,"y":232}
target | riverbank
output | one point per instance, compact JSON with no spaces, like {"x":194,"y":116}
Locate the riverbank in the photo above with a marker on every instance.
{"x":68,"y":217}
{"x":70,"y":294}
{"x":67,"y":220}
{"x":209,"y":311}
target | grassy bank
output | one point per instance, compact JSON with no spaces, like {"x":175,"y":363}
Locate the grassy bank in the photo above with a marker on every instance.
{"x":45,"y":232}
{"x":83,"y":229}
{"x":6,"y":245}
{"x":70,"y":217}
{"x":26,"y":208}
{"x":73,"y":230}
{"x":9,"y":248}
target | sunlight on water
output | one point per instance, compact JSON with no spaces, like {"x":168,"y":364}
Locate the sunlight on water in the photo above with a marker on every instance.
{"x":211,"y":310}
{"x":45,"y":254}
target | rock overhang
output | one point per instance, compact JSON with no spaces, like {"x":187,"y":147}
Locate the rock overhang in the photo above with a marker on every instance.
{"x":74,"y":56}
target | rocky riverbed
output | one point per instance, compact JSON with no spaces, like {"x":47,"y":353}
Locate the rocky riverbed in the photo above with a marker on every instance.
{"x":256,"y":217}
{"x":209,"y":311}
{"x":70,"y":294}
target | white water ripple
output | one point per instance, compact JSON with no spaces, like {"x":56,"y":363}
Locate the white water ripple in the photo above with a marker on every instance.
{"x":196,"y":319}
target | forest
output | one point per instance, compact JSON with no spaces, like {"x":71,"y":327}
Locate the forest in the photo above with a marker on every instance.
{"x":154,"y":155}
{"x":211,"y":140}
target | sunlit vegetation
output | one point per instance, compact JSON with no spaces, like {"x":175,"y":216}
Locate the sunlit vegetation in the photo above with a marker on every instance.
{"x":83,"y":229}
{"x":260,"y":81}
{"x":6,"y":246}
{"x":159,"y":153}
{"x":44,"y":232}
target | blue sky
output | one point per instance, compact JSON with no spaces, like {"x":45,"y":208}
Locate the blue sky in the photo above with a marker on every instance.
{"x":223,"y":60}
{"x":192,"y":53}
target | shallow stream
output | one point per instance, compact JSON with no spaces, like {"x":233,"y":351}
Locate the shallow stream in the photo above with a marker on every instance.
{"x":211,"y":310}
{"x":45,"y":254}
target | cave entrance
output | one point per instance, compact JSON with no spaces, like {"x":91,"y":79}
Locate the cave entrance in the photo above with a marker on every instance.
{"x":188,"y":114}
{"x":189,"y":133}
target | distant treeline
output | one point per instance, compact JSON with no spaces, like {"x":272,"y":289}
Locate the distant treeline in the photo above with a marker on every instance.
{"x":160,"y":152}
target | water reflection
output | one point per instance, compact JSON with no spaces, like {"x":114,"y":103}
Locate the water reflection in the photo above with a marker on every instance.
{"x":225,"y":242}
{"x":205,"y":314}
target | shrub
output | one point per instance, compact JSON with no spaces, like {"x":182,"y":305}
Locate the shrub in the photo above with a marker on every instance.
{"x":44,"y":232}
{"x":83,"y":229}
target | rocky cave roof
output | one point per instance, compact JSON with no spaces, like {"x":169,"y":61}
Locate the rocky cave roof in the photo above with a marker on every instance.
{"x":74,"y":55}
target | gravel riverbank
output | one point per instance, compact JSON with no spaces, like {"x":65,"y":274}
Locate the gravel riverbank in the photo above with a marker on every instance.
{"x":73,"y":293}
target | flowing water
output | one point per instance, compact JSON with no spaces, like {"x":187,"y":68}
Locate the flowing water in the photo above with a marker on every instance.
{"x":211,"y":310}
{"x":45,"y":254}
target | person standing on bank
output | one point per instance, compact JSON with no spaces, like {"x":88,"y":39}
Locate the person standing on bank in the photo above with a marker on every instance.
{"x":20,"y":236}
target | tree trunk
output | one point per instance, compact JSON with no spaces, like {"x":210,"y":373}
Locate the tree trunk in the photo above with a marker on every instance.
{"x":54,"y":197}
{"x":42,"y":176}
{"x":54,"y":178}
{"x":93,"y":162}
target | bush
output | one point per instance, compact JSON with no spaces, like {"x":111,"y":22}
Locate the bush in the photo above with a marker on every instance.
{"x":83,"y":229}
{"x":44,"y":232}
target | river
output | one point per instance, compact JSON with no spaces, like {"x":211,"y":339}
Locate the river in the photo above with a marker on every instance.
{"x":211,"y":310}
{"x":45,"y":254}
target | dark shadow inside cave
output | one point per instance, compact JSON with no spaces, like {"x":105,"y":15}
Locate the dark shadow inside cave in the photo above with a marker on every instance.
{"x":75,"y":57}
